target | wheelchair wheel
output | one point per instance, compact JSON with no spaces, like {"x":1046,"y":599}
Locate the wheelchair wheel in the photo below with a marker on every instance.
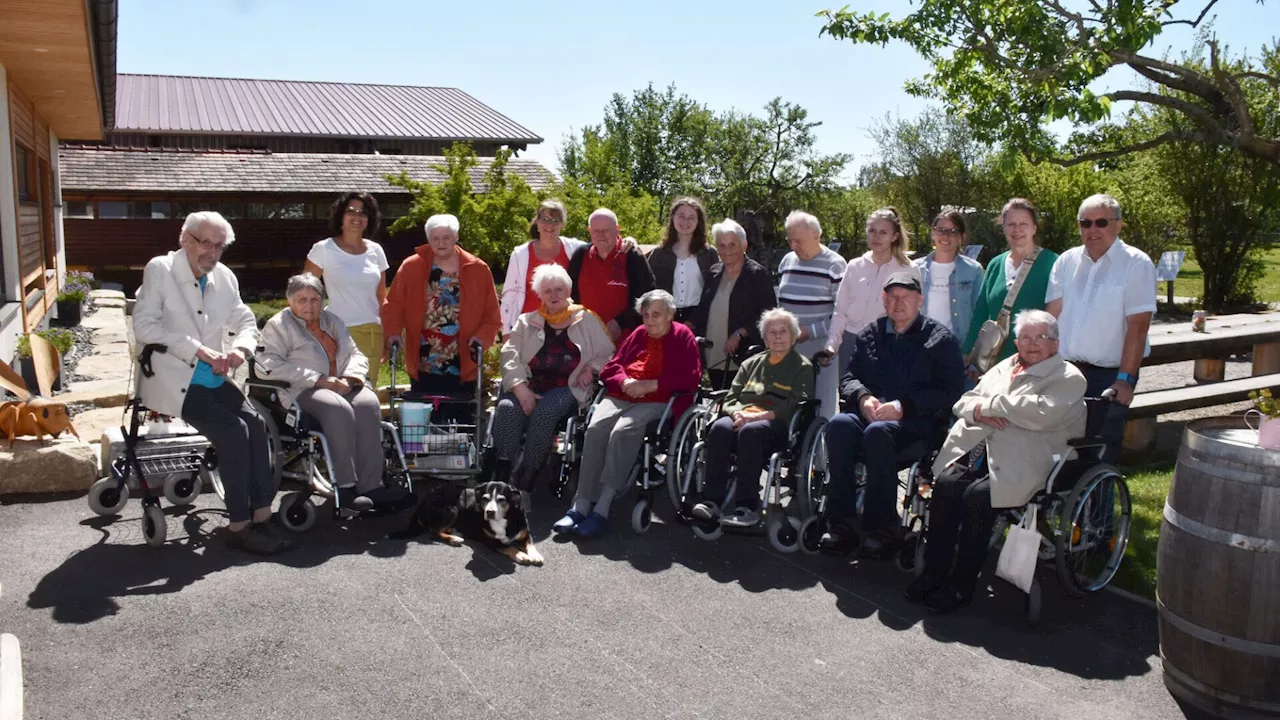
{"x":642,"y":516}
{"x":813,"y":469}
{"x":297,"y":513}
{"x":154,"y":527}
{"x":182,"y":488}
{"x":707,"y":529}
{"x":688,"y":431}
{"x":274,"y":449}
{"x":811,"y":535}
{"x":906,"y":559}
{"x":1093,"y":532}
{"x":784,"y":534}
{"x":108,"y":496}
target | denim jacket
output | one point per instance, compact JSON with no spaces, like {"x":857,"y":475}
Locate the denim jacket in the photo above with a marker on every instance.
{"x":965,"y":283}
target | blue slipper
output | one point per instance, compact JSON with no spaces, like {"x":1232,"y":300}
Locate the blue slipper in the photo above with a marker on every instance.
{"x":594,"y":525}
{"x":568,"y":523}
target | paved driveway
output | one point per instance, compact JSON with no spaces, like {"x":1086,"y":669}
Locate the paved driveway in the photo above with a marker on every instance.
{"x":351,"y":625}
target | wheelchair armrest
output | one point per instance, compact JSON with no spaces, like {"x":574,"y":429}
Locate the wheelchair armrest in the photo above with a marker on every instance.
{"x":808,"y":404}
{"x":255,"y":380}
{"x":1086,"y":442}
{"x":715,"y":395}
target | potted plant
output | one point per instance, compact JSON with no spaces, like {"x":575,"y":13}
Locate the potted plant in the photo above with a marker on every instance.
{"x":1268,"y":410}
{"x":71,"y":300}
{"x":61,"y":339}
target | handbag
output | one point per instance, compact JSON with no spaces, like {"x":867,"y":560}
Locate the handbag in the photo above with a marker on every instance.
{"x":1021,"y":550}
{"x":993,"y":333}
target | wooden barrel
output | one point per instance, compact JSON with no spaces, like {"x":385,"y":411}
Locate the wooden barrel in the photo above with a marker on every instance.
{"x":1218,"y":573}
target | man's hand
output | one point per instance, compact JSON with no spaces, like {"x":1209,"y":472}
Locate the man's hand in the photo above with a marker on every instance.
{"x":392,"y":342}
{"x":614,"y":330}
{"x":627,"y":244}
{"x":995,"y":422}
{"x":731,"y":345}
{"x":888,"y":412}
{"x":235,"y":358}
{"x":869,"y":405}
{"x":1124,"y":392}
{"x":214,"y":359}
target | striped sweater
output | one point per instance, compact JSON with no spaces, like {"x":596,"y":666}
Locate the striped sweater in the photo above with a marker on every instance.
{"x":808,"y":289}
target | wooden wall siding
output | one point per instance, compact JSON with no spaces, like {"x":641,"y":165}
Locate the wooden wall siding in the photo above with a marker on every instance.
{"x":22,"y":117}
{"x":30,"y":247}
{"x":292,"y":144}
{"x":36,"y":251}
{"x":42,"y":139}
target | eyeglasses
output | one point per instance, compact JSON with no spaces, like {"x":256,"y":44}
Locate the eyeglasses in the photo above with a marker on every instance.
{"x":208,"y":245}
{"x":355,"y":211}
{"x":1086,"y":223}
{"x":1042,"y":337}
{"x":550,"y":220}
{"x":945,"y":231}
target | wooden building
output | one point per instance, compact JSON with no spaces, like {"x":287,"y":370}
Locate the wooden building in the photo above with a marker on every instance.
{"x":269,"y":155}
{"x":57,"y":74}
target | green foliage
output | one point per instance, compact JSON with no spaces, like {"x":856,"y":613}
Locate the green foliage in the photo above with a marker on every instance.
{"x":1264,"y":403}
{"x":61,"y":338}
{"x":637,"y":211}
{"x":265,"y":308}
{"x":493,"y":218}
{"x":77,"y":287}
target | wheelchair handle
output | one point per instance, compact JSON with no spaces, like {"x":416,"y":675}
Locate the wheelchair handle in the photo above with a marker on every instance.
{"x":144,"y":361}
{"x":1109,"y":394}
{"x":823,"y":358}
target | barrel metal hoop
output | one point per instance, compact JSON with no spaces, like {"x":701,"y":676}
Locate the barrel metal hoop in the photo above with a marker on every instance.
{"x":1216,"y":535}
{"x":1210,"y":693}
{"x":1199,"y":444}
{"x":1223,"y":473}
{"x":1251,"y":647}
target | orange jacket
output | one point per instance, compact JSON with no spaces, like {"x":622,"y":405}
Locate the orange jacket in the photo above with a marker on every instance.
{"x":406,"y":304}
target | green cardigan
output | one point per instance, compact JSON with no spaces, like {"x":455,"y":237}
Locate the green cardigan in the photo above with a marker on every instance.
{"x":994,"y":289}
{"x":779,"y":388}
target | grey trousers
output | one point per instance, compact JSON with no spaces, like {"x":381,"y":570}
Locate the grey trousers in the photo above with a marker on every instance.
{"x":227,"y":420}
{"x":352,"y":426}
{"x":613,"y":438}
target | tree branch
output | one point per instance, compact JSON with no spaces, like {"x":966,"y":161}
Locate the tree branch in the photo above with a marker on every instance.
{"x":1076,"y":18}
{"x":1235,"y":96}
{"x":1270,"y":79}
{"x":1157,"y":141}
{"x":1198,"y":20}
{"x":1205,"y":117}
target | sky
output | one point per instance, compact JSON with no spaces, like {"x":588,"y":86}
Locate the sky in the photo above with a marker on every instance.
{"x":552,"y":65}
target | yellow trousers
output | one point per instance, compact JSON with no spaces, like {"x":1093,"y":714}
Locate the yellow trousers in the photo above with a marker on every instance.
{"x":368,"y":338}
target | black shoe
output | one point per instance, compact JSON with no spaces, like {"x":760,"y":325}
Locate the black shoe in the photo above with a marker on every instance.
{"x":837,"y":540}
{"x":349,"y":499}
{"x":880,"y":545}
{"x":384,"y":498}
{"x":253,"y":539}
{"x":272,"y":532}
{"x":946,"y":599}
{"x":920,"y":588}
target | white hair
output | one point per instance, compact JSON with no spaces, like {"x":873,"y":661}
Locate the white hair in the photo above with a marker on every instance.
{"x":1027,"y":318}
{"x":549,"y":273}
{"x":653,"y":296}
{"x":728,"y":226}
{"x":304,"y":281}
{"x":603,"y":212}
{"x":1101,"y":200}
{"x":778,"y":315}
{"x":196,"y":220}
{"x":442,"y":221}
{"x":798,"y":217}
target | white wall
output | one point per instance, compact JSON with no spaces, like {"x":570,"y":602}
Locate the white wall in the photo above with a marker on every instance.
{"x":10,"y":313}
{"x":57,"y":209}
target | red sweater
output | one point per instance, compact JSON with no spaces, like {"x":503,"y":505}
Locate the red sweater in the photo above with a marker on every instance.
{"x":681,"y":369}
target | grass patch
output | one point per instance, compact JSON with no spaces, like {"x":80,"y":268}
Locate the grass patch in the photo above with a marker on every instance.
{"x":1190,"y":281}
{"x":1148,"y":488}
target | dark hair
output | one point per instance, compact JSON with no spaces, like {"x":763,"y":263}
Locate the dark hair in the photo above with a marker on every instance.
{"x":954,"y":216}
{"x":699,"y":241}
{"x":1022,"y":204}
{"x":340,"y":209}
{"x":549,"y":204}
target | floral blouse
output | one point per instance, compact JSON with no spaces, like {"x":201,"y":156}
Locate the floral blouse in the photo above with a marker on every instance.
{"x":439,"y":354}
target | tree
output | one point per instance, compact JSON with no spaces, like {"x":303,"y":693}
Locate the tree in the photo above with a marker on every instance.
{"x":492,"y":219}
{"x":1010,"y":67}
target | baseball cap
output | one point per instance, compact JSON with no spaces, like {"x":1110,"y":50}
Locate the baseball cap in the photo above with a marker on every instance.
{"x":902,"y":279}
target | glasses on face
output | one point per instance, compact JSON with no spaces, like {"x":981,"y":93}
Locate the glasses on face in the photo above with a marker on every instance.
{"x":208,"y":244}
{"x":1042,"y":337}
{"x":1019,"y":226}
{"x":549,"y":220}
{"x":355,"y":211}
{"x":948,"y":231}
{"x":1086,"y":223}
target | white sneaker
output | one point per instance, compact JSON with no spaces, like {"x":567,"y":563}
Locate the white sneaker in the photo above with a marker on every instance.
{"x":742,"y":517}
{"x":706,"y":510}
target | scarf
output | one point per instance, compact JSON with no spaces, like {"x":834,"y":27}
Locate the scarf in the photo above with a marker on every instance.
{"x":560,"y":317}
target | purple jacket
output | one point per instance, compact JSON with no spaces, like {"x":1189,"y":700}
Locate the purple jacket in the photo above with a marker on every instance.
{"x":681,"y":366}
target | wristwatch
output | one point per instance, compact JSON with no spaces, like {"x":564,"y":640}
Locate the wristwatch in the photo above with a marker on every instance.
{"x":1128,"y":379}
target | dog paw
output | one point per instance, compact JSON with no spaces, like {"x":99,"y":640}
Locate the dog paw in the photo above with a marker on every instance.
{"x":533,"y":558}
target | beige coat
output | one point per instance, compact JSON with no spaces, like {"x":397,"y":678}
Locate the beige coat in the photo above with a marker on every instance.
{"x":1045,"y":408}
{"x":291,"y":353}
{"x":528,"y":335}
{"x":172,"y":311}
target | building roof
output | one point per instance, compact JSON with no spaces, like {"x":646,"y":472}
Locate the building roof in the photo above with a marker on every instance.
{"x":90,"y":169}
{"x":165,"y":104}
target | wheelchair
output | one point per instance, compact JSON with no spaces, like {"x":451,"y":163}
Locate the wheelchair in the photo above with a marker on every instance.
{"x":1084,"y":513}
{"x":300,"y":453}
{"x":175,"y":465}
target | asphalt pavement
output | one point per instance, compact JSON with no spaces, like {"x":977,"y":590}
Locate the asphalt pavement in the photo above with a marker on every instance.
{"x":353,"y":625}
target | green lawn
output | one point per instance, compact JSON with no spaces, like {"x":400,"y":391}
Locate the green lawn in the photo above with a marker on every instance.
{"x":1148,"y":487}
{"x":1190,"y":281}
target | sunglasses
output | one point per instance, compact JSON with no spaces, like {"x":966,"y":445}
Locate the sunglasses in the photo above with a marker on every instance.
{"x":946,"y":231}
{"x":1086,"y":223}
{"x":549,"y":220}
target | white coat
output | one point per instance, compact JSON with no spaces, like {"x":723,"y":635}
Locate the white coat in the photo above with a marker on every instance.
{"x":513,"y":288}
{"x":172,"y":311}
{"x":292,"y":354}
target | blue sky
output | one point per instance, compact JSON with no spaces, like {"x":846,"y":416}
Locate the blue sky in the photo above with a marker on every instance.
{"x":553,"y":64}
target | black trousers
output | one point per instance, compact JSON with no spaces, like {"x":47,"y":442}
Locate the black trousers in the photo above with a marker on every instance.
{"x":227,"y":420}
{"x":752,"y":443}
{"x":960,"y":523}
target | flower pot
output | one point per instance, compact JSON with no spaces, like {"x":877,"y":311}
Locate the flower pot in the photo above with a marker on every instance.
{"x":1268,"y":430}
{"x":27,"y":369}
{"x":69,"y":312}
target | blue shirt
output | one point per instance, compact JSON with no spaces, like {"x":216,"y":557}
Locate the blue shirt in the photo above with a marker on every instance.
{"x":204,"y":376}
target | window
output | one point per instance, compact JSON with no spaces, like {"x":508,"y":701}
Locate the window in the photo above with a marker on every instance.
{"x":136,"y":210}
{"x":113,"y":210}
{"x":279,"y":211}
{"x":77,"y":209}
{"x":230,"y":210}
{"x":159,"y":210}
{"x":23,"y":173}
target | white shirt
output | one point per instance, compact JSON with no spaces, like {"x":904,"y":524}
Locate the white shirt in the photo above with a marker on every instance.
{"x":1097,"y":298}
{"x":688,"y":282}
{"x":938,"y":294}
{"x":1010,"y":271}
{"x":351,"y":281}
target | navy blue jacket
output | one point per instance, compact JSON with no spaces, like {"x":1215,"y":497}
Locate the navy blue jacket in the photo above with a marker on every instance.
{"x":922,"y":368}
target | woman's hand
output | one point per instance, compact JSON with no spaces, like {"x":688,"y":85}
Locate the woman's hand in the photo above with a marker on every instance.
{"x":526,"y":397}
{"x":631,"y":388}
{"x":731,"y":345}
{"x":584,"y":381}
{"x":333,"y":384}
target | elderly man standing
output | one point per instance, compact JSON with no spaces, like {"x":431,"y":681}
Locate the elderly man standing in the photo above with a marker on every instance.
{"x":1103,"y":293}
{"x":811,"y":275}
{"x":905,"y":373}
{"x":190,"y":303}
{"x":607,"y":279}
{"x":998,"y":454}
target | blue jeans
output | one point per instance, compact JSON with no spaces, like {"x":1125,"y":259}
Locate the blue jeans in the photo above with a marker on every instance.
{"x":851,"y":440}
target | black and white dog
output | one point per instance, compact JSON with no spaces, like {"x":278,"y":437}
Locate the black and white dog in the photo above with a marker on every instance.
{"x":490,"y":512}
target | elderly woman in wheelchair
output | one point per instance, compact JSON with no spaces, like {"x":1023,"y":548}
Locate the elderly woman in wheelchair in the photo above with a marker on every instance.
{"x":651,"y":378}
{"x":309,"y":356}
{"x":753,"y":422}
{"x":1013,"y":428}
{"x":549,"y":363}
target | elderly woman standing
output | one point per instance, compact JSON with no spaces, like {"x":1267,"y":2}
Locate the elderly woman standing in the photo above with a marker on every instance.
{"x":811,"y":274}
{"x":753,"y":419}
{"x":738,"y":292}
{"x":354,"y":270}
{"x":951,"y":280}
{"x":682,"y":264}
{"x":657,"y":360}
{"x":549,"y":363}
{"x":442,"y":300}
{"x":858,"y":301}
{"x":545,"y":247}
{"x":310,"y":349}
{"x":997,"y":455}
